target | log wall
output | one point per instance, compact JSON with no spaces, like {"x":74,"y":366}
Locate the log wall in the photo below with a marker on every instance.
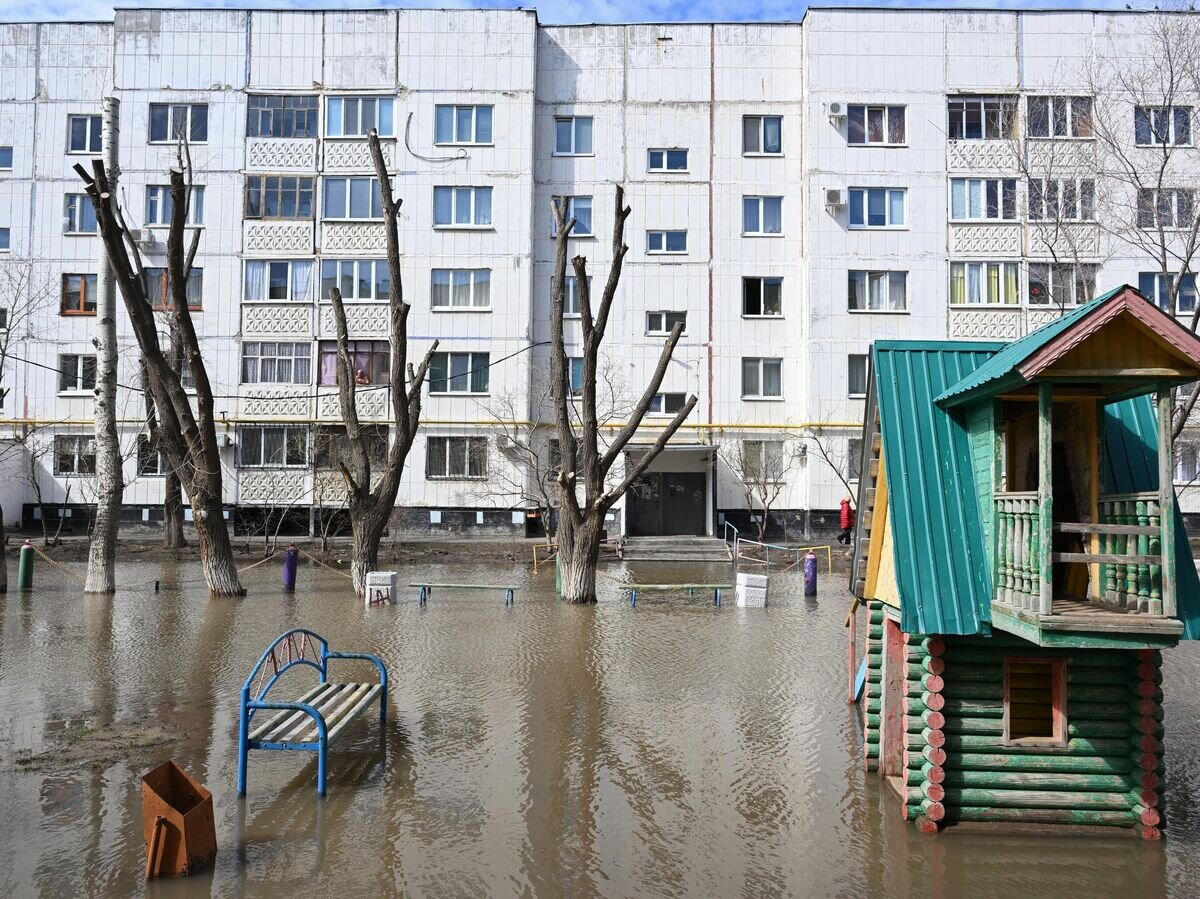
{"x":873,"y":692}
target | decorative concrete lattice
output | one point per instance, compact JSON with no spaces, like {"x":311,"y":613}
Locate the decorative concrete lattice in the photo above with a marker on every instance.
{"x":353,"y":237}
{"x":281,"y":154}
{"x":270,"y":320}
{"x":268,"y":487}
{"x":986,"y":324}
{"x":974,"y":155}
{"x":281,"y":403}
{"x":362,"y":320}
{"x":985,"y":240}
{"x":355,"y":155}
{"x":290,"y":238}
{"x":372,"y":405}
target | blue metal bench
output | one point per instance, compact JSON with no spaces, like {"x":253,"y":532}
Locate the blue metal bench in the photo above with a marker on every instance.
{"x":318,"y":717}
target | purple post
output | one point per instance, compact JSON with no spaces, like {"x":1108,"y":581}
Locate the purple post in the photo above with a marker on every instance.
{"x":291,"y":558}
{"x":810,"y":574}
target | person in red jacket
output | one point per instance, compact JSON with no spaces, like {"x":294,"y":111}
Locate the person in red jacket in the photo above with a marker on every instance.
{"x":846,"y":521}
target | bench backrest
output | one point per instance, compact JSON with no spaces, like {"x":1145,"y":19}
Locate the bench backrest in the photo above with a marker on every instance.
{"x":295,"y":647}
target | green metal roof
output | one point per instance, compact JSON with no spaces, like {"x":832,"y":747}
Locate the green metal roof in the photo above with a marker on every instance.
{"x":937,"y":525}
{"x":1131,"y":466}
{"x":1000,"y":371}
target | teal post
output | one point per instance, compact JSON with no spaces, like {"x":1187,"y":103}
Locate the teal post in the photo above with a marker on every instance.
{"x":557,"y":576}
{"x":25,"y":567}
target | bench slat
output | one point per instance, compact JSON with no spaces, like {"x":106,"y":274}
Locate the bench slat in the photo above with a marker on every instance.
{"x":291,"y":731}
{"x":353,"y":713}
{"x":336,"y":711}
{"x":467,"y":586}
{"x":666,"y":587}
{"x":280,"y":718}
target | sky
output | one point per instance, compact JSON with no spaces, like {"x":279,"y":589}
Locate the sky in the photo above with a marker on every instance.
{"x":556,"y":11}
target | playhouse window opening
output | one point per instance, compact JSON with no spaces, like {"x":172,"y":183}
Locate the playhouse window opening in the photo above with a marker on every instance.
{"x":1034,"y":702}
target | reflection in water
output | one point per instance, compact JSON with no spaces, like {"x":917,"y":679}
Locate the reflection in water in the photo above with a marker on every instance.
{"x":539,"y":750}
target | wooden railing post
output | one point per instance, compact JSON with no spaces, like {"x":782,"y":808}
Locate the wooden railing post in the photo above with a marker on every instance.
{"x":1043,"y":544}
{"x":1166,"y":499}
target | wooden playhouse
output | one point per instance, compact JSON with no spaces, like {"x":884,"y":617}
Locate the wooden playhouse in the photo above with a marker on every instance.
{"x":1023,"y":565}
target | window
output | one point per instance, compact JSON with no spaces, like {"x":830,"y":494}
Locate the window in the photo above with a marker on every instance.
{"x":371,"y":361}
{"x":1167,"y":208}
{"x":357,"y":279}
{"x":667,"y":161}
{"x":580,"y":209}
{"x":1062,"y":285}
{"x":987,"y":283}
{"x":853,"y":458}
{"x":5,"y":240}
{"x":762,"y":461}
{"x":877,"y":291}
{"x":6,"y":158}
{"x":280,"y":197}
{"x":275,"y":446}
{"x":459,"y":373}
{"x":78,"y":295}
{"x":74,"y":454}
{"x":278,"y":279}
{"x":355,"y":116}
{"x":1060,"y":116}
{"x":159,"y":205}
{"x":666,"y":403}
{"x":877,"y":207}
{"x":462,"y":125}
{"x":573,"y":135}
{"x":455,"y":457}
{"x":762,"y":297}
{"x":462,"y":207}
{"x":665,"y":322}
{"x":276,"y":363}
{"x":1157,"y":126}
{"x":982,"y":118}
{"x":1035,"y":702}
{"x":762,"y":215}
{"x":156,"y":288}
{"x":331,"y":445}
{"x":1187,"y":463}
{"x":571,"y":301}
{"x":353,"y":198}
{"x":178,"y":121}
{"x":1062,"y":199}
{"x":76,"y":373}
{"x":79,"y":215}
{"x":856,"y":374}
{"x":150,"y":462}
{"x":762,"y":135}
{"x":1156,"y":287}
{"x":666,"y":242}
{"x":3,"y":318}
{"x":83,"y":134}
{"x":762,"y":378}
{"x":983,"y":199}
{"x":281,"y":115}
{"x":875,"y":125}
{"x":461,"y":288}
{"x":574,"y":375}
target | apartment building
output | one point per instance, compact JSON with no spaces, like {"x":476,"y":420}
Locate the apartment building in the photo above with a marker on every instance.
{"x":797,"y":191}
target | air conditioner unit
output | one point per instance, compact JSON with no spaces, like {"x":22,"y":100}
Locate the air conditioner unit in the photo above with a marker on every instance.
{"x":834,"y":197}
{"x":143,"y":237}
{"x":836,"y":111}
{"x":224,"y":440}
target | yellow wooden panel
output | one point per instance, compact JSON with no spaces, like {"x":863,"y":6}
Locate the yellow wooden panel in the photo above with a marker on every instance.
{"x":1122,"y":344}
{"x":879,"y":516}
{"x":886,"y":589}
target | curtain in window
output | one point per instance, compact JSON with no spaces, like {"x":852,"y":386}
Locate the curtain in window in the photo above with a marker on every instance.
{"x":973,"y":293}
{"x":772,"y":378}
{"x":875,"y":124}
{"x":327,"y":363}
{"x":483,"y":202}
{"x":479,"y":372}
{"x":877,"y":282}
{"x":958,"y":198}
{"x":483,"y":287}
{"x":750,"y":379}
{"x":958,"y":284}
{"x":897,"y":291}
{"x":302,"y":281}
{"x":772,"y":134}
{"x":477,"y":460}
{"x":772,"y":215}
{"x":460,"y":288}
{"x":1011,"y":291}
{"x":895,"y":124}
{"x":457,"y":452}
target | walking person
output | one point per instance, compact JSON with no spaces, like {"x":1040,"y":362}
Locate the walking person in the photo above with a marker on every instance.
{"x":846,"y":521}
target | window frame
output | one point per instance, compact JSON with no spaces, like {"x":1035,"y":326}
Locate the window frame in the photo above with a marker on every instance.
{"x":759,"y":201}
{"x":666,"y":324}
{"x":373,"y":186}
{"x":453,"y":224}
{"x":1006,"y":192}
{"x":1161,"y":290}
{"x":83,"y":293}
{"x":447,"y":456}
{"x":665,"y":232}
{"x":665,"y":169}
{"x":761,"y":135}
{"x":1070,"y":112}
{"x":1058,"y":703}
{"x":291,"y":280}
{"x":1155,"y":212}
{"x":476,"y":361}
{"x":851,"y":359}
{"x":574,"y":200}
{"x":378,"y":264}
{"x":257,"y":360}
{"x":865,"y":194}
{"x":11,"y":157}
{"x":763,"y":281}
{"x":79,"y":365}
{"x":1172,"y":123}
{"x":752,"y":463}
{"x":1048,"y":206}
{"x":76,"y":208}
{"x":1179,"y":470}
{"x":1052,"y":269}
{"x":263,"y":189}
{"x":659,"y":402}
{"x":79,"y":454}
{"x":378,"y":354}
{"x":450,"y":288}
{"x":361,"y":133}
{"x":327,"y":437}
{"x":164,"y":303}
{"x":571,"y":295}
{"x":455,"y":140}
{"x":762,"y":363}
{"x":146,"y":452}
{"x":158,"y":196}
{"x":1009,"y":103}
{"x":286,"y":427}
{"x":886,"y":109}
{"x":866,"y":291}
{"x":312,"y":114}
{"x":95,"y":123}
{"x":573,"y":119}
{"x":172,"y":138}
{"x":982,"y":280}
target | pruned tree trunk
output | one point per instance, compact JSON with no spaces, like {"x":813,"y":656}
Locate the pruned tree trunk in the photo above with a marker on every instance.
{"x":173,"y":512}
{"x":370,"y":505}
{"x":584,"y":467}
{"x":3,"y":555}
{"x":109,"y":479}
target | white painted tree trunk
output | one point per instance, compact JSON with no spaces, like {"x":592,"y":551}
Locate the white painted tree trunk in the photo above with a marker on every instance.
{"x":102,"y":555}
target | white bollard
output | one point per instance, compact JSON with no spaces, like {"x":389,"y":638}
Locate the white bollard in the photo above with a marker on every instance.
{"x":381,"y":588}
{"x":751,"y":591}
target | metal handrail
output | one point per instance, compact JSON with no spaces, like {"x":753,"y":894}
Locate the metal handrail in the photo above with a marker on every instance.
{"x":725,"y":534}
{"x":796,"y":550}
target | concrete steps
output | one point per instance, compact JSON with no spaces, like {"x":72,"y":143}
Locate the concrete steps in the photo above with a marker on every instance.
{"x":675,"y":549}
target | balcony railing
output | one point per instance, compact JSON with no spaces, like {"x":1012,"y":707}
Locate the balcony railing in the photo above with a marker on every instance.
{"x":1018,"y":575}
{"x":1132,"y":534}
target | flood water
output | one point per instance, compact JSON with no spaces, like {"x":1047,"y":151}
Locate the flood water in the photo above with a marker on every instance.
{"x":540,"y":750}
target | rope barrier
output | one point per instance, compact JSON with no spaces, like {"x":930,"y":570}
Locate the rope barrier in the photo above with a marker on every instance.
{"x":259,"y":562}
{"x":64,"y":569}
{"x":310,"y":556}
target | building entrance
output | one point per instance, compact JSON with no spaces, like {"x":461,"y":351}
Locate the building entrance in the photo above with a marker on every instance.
{"x":667,"y":503}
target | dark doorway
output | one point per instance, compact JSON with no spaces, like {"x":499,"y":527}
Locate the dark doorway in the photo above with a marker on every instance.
{"x":667,"y":503}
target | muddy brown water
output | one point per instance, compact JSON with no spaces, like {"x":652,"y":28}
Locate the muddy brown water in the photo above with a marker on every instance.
{"x":541,"y":750}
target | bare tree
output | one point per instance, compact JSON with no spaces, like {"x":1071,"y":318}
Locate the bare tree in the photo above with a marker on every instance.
{"x":585,"y":466}
{"x":762,"y":468}
{"x":371,"y":503}
{"x":187,"y":436}
{"x":172,"y":485}
{"x":823,"y":446}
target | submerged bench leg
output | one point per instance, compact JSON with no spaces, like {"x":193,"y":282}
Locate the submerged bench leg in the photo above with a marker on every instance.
{"x":633,"y":599}
{"x":717,"y":596}
{"x":508,"y":597}
{"x":423,"y":596}
{"x":322,"y":752}
{"x":243,"y":749}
